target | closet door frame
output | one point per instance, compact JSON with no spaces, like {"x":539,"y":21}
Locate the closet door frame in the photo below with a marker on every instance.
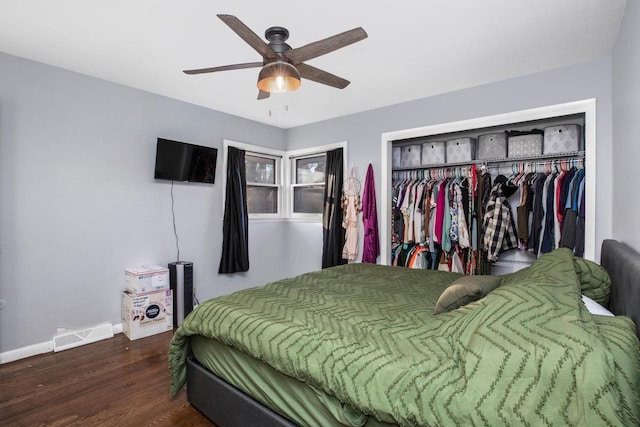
{"x":587,"y":107}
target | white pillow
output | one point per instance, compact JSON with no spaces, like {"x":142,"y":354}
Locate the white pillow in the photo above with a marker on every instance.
{"x":594,"y":307}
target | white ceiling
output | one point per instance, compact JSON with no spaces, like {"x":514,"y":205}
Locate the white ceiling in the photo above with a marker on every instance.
{"x":415,"y":49}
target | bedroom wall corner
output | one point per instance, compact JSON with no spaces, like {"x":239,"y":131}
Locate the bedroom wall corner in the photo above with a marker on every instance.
{"x":626,"y":127}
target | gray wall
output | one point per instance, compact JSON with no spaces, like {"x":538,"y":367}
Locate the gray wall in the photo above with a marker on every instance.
{"x":362,"y":131}
{"x":626,"y":127}
{"x":78,"y":202}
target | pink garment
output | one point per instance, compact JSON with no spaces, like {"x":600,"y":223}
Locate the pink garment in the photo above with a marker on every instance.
{"x":440,"y":207}
{"x":371,"y":245}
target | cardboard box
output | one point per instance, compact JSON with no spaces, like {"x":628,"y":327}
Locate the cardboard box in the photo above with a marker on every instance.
{"x":148,"y":278}
{"x":148,"y":314}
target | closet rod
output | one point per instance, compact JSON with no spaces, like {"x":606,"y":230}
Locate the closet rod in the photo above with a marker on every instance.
{"x":441,"y":172}
{"x":466,"y":171}
{"x":565,"y":162}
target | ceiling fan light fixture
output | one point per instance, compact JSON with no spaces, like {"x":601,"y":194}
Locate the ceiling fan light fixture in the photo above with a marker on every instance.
{"x":278,"y":77}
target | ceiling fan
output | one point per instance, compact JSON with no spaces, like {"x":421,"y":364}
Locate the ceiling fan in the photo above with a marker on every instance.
{"x":282,"y":66}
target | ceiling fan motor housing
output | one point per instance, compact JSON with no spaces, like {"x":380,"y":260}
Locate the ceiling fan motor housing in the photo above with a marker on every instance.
{"x":277,"y":37}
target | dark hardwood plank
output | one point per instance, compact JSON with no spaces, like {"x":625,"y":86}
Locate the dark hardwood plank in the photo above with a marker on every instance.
{"x":115,"y":382}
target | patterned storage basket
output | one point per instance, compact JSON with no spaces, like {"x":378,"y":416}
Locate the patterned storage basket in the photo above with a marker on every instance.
{"x":562,"y":139}
{"x":396,"y":156}
{"x":492,"y":146}
{"x":434,"y":153}
{"x":410,"y":156}
{"x":525,"y":144}
{"x":461,"y":150}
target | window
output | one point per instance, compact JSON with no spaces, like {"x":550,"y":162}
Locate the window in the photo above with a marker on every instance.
{"x":308,"y":183}
{"x":263,"y":167}
{"x":301,"y":195}
{"x":263,"y":186}
{"x":305,"y":178}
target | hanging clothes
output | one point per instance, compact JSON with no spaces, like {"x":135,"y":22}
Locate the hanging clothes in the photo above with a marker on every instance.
{"x":371,"y":244}
{"x":572,"y":205}
{"x":397,"y":223}
{"x":498,"y":224}
{"x":418,"y":214}
{"x":440,"y":211}
{"x":523,"y":210}
{"x":461,"y":222}
{"x":537,"y":186}
{"x":350,"y":209}
{"x":406,"y":210}
{"x":580,"y":225}
{"x":547,"y":239}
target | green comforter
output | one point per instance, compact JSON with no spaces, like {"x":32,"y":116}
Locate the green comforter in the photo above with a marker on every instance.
{"x":529,"y":353}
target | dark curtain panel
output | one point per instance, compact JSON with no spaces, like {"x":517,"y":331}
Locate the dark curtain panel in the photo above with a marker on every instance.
{"x":235,"y":229}
{"x":332,"y":231}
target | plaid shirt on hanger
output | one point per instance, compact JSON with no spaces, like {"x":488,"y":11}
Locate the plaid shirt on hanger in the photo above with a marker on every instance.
{"x":498,"y":226}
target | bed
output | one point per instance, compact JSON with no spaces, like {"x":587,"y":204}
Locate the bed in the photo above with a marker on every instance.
{"x":360,"y":345}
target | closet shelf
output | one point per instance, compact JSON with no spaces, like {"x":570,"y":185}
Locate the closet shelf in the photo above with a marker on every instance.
{"x":503,"y":160}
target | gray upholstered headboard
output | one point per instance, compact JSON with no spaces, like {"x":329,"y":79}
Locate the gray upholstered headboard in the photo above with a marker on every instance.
{"x":623,"y":265}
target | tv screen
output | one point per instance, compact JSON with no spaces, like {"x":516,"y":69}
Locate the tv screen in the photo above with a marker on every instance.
{"x":179,"y":161}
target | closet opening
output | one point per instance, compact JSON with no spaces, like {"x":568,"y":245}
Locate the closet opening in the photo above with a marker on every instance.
{"x":458,"y":168}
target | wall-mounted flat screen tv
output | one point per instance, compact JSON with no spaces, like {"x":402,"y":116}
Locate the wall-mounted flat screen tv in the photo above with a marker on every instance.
{"x":179,"y":161}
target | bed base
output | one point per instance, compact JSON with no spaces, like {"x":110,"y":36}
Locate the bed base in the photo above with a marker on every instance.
{"x":224,"y":404}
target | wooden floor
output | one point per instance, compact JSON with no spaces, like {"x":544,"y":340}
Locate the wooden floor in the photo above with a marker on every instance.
{"x":115,"y":382}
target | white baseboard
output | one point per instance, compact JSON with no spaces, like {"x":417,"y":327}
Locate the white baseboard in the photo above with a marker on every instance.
{"x":24,"y":352}
{"x":35,"y":349}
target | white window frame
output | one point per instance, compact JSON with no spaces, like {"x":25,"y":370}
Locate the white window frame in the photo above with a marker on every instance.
{"x":290,"y":171}
{"x":285,"y":170}
{"x":259,"y":151}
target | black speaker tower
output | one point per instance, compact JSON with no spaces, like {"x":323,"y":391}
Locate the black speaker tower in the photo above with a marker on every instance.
{"x":181,"y":282}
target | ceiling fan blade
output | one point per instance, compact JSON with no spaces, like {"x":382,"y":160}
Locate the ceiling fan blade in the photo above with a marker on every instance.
{"x":263,"y":95}
{"x":224,"y":68}
{"x":320,"y":76}
{"x":249,"y":36}
{"x":321,"y":47}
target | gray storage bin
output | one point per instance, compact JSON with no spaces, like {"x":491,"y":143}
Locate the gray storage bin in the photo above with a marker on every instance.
{"x":562,"y":139}
{"x":434,"y":153}
{"x":524,"y":144}
{"x":410,"y":156}
{"x":396,"y":156}
{"x":461,"y":150}
{"x":492,"y":146}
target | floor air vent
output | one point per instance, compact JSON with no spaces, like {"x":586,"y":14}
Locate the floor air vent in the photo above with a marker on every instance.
{"x":86,"y":336}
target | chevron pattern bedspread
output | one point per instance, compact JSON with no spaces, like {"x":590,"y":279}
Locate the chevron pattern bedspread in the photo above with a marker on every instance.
{"x":529,"y":353}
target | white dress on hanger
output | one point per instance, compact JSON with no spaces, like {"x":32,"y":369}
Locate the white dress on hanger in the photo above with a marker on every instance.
{"x":351,"y":206}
